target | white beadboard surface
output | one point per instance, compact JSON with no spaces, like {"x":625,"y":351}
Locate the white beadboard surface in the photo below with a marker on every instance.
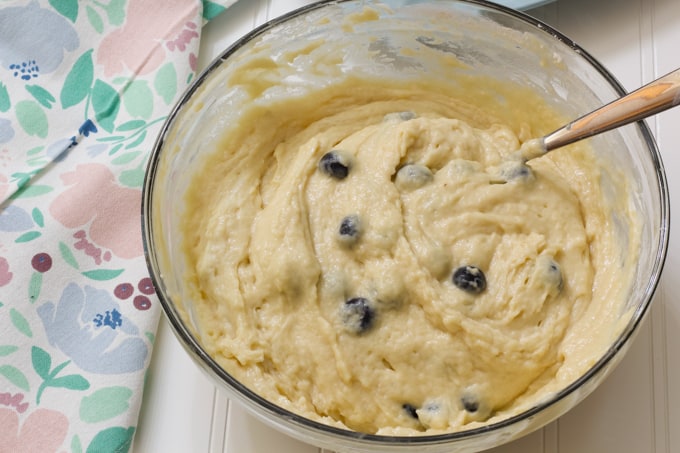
{"x":636,"y":410}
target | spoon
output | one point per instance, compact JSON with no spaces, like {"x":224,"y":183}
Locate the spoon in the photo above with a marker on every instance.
{"x":653,"y":98}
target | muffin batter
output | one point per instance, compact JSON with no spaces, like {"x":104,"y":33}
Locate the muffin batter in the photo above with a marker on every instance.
{"x":372,"y":256}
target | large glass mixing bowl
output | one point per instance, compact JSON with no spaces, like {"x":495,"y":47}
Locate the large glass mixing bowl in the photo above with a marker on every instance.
{"x":490,"y":41}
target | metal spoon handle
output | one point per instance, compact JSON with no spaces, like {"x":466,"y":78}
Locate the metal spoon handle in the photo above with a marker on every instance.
{"x":655,"y":97}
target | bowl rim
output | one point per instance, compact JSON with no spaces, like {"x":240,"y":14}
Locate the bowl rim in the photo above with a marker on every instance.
{"x":208,"y":364}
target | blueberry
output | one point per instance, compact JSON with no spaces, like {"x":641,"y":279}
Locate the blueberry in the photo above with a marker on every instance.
{"x":475,"y":407}
{"x":434,"y":414}
{"x":470,"y":279}
{"x":515,"y":170}
{"x":432,"y":406}
{"x":358,"y":315}
{"x":555,"y":275}
{"x":335,"y":164}
{"x":400,"y":116}
{"x":412,"y":176}
{"x":519,"y":172}
{"x":469,"y":403}
{"x":349,"y":226}
{"x":350,"y":230}
{"x":410,"y":410}
{"x":550,"y":271}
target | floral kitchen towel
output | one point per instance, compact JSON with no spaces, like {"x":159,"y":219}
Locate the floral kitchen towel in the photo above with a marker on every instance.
{"x":84,"y":88}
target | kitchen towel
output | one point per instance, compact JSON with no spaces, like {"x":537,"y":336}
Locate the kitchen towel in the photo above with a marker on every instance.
{"x":85,"y":86}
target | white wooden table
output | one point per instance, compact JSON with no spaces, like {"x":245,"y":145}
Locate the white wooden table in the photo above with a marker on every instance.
{"x":637,"y":410}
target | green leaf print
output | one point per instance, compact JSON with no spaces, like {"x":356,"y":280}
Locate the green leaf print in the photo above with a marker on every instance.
{"x":78,"y":81}
{"x":67,"y":255}
{"x":67,"y":8}
{"x":42,"y":362}
{"x":15,"y":376}
{"x":22,"y":178}
{"x":7,"y":350}
{"x":138,"y":99}
{"x":111,"y":138}
{"x":115,"y":149}
{"x":34,"y":151}
{"x":41,"y":95}
{"x":31,"y":118}
{"x":126,"y":158}
{"x":34,"y":286}
{"x":38,"y":217}
{"x":138,"y":132}
{"x":165,"y":82}
{"x":76,"y":446}
{"x":20,"y":322}
{"x":71,"y":382}
{"x":5,"y":103}
{"x":112,"y":440}
{"x":132,"y":178}
{"x":103,"y":274}
{"x":28,"y":237}
{"x":136,"y":142}
{"x":106,"y":102}
{"x":131,"y":125}
{"x":115,"y":10}
{"x":105,"y":404}
{"x":95,"y":19}
{"x":211,"y":9}
{"x":57,"y":369}
{"x":38,"y":162}
{"x":32,"y":191}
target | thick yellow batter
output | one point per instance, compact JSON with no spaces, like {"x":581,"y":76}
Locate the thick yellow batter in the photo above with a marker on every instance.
{"x":372,"y":257}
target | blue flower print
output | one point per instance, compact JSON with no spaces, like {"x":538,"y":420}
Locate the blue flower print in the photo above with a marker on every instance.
{"x":87,"y":127}
{"x":87,"y":325}
{"x":6,"y":130}
{"x":26,"y":70}
{"x":33,"y":40}
{"x":15,"y":219}
{"x":58,"y":149}
{"x":110,"y":318}
{"x":97,"y":149}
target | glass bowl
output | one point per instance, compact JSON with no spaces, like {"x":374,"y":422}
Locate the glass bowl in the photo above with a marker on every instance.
{"x":490,"y":41}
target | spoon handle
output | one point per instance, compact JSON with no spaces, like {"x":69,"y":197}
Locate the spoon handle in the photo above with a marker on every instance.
{"x":655,"y":97}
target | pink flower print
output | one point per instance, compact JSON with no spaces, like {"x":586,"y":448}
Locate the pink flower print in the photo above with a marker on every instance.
{"x":111,"y":211}
{"x":138,"y":45}
{"x":44,"y":430}
{"x":89,"y":248}
{"x":184,"y":38}
{"x":5,"y":274}
{"x":193,"y":61}
{"x":15,"y":401}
